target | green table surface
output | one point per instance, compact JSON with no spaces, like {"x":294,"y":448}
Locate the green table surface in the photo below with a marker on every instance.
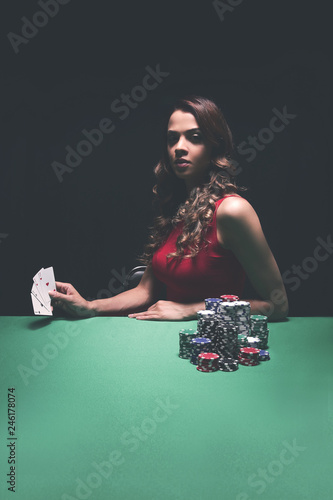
{"x":105,"y":409}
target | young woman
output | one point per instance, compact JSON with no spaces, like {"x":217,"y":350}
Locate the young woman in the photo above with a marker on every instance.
{"x":206,"y":237}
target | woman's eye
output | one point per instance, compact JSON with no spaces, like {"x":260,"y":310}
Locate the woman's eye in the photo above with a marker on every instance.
{"x":172,"y":139}
{"x":196,"y":138}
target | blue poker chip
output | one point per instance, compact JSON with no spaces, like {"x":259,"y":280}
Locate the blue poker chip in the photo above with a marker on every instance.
{"x":264,"y":355}
{"x":212,"y":304}
{"x":200,"y":340}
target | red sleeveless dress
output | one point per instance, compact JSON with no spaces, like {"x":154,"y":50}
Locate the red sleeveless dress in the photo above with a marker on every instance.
{"x":213,"y":272}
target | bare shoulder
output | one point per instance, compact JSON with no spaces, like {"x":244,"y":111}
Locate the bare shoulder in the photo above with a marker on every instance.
{"x":234,"y":208}
{"x":237,"y":222}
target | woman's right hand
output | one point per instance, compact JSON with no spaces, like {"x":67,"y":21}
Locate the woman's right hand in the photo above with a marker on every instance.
{"x":69,"y":300}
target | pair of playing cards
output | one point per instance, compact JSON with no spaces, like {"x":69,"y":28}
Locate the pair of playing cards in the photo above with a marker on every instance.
{"x":44,"y":282}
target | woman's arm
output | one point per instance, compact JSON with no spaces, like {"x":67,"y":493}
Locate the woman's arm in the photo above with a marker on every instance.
{"x":239,"y":230}
{"x":140,"y":297}
{"x":170,"y":311}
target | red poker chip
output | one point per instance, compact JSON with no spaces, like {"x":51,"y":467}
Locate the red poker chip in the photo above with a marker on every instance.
{"x":210,"y":362}
{"x":229,"y":298}
{"x":249,"y":350}
{"x":247,"y":362}
{"x":244,"y":360}
{"x":208,"y":356}
{"x":207,"y":367}
{"x":251,"y":360}
{"x":204,"y":370}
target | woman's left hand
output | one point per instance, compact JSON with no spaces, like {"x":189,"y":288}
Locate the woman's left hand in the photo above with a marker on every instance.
{"x":167,"y":310}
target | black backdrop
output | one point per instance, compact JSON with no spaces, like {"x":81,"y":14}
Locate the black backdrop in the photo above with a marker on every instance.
{"x":256,"y":59}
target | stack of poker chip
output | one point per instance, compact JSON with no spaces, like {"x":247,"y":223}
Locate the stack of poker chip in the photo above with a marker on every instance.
{"x":208,"y":362}
{"x":226,"y":313}
{"x":185,"y":346}
{"x":199,"y":345}
{"x":249,"y":356}
{"x":259,"y":329}
{"x":242,"y":313}
{"x":228,"y":364}
{"x":207,"y":324}
{"x":226,"y":341}
{"x":234,"y":315}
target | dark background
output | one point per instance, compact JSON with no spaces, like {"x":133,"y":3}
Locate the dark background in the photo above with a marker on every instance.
{"x":92,"y":226}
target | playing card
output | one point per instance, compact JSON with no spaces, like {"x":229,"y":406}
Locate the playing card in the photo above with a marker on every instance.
{"x":36,"y":293}
{"x":45,"y":282}
{"x":38,"y":286}
{"x":39,"y":307}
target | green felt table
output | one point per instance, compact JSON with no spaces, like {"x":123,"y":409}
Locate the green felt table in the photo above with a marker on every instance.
{"x":105,"y":409}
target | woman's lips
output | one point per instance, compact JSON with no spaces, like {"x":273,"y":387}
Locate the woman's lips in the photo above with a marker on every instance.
{"x":182,"y":163}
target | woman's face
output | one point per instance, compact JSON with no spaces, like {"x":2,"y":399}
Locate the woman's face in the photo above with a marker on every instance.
{"x":189,"y":153}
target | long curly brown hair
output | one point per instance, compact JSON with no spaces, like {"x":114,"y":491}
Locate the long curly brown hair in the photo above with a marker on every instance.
{"x":171,"y":201}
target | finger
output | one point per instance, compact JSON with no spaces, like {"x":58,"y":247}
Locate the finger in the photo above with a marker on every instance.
{"x":154,"y":317}
{"x":64,"y":287}
{"x":145,"y":315}
{"x":60,"y":284}
{"x":59,"y":296}
{"x":64,"y":307}
{"x":133,"y":315}
{"x":58,"y":304}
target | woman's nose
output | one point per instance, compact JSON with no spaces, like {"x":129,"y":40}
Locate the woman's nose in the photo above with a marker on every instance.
{"x":181,"y":145}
